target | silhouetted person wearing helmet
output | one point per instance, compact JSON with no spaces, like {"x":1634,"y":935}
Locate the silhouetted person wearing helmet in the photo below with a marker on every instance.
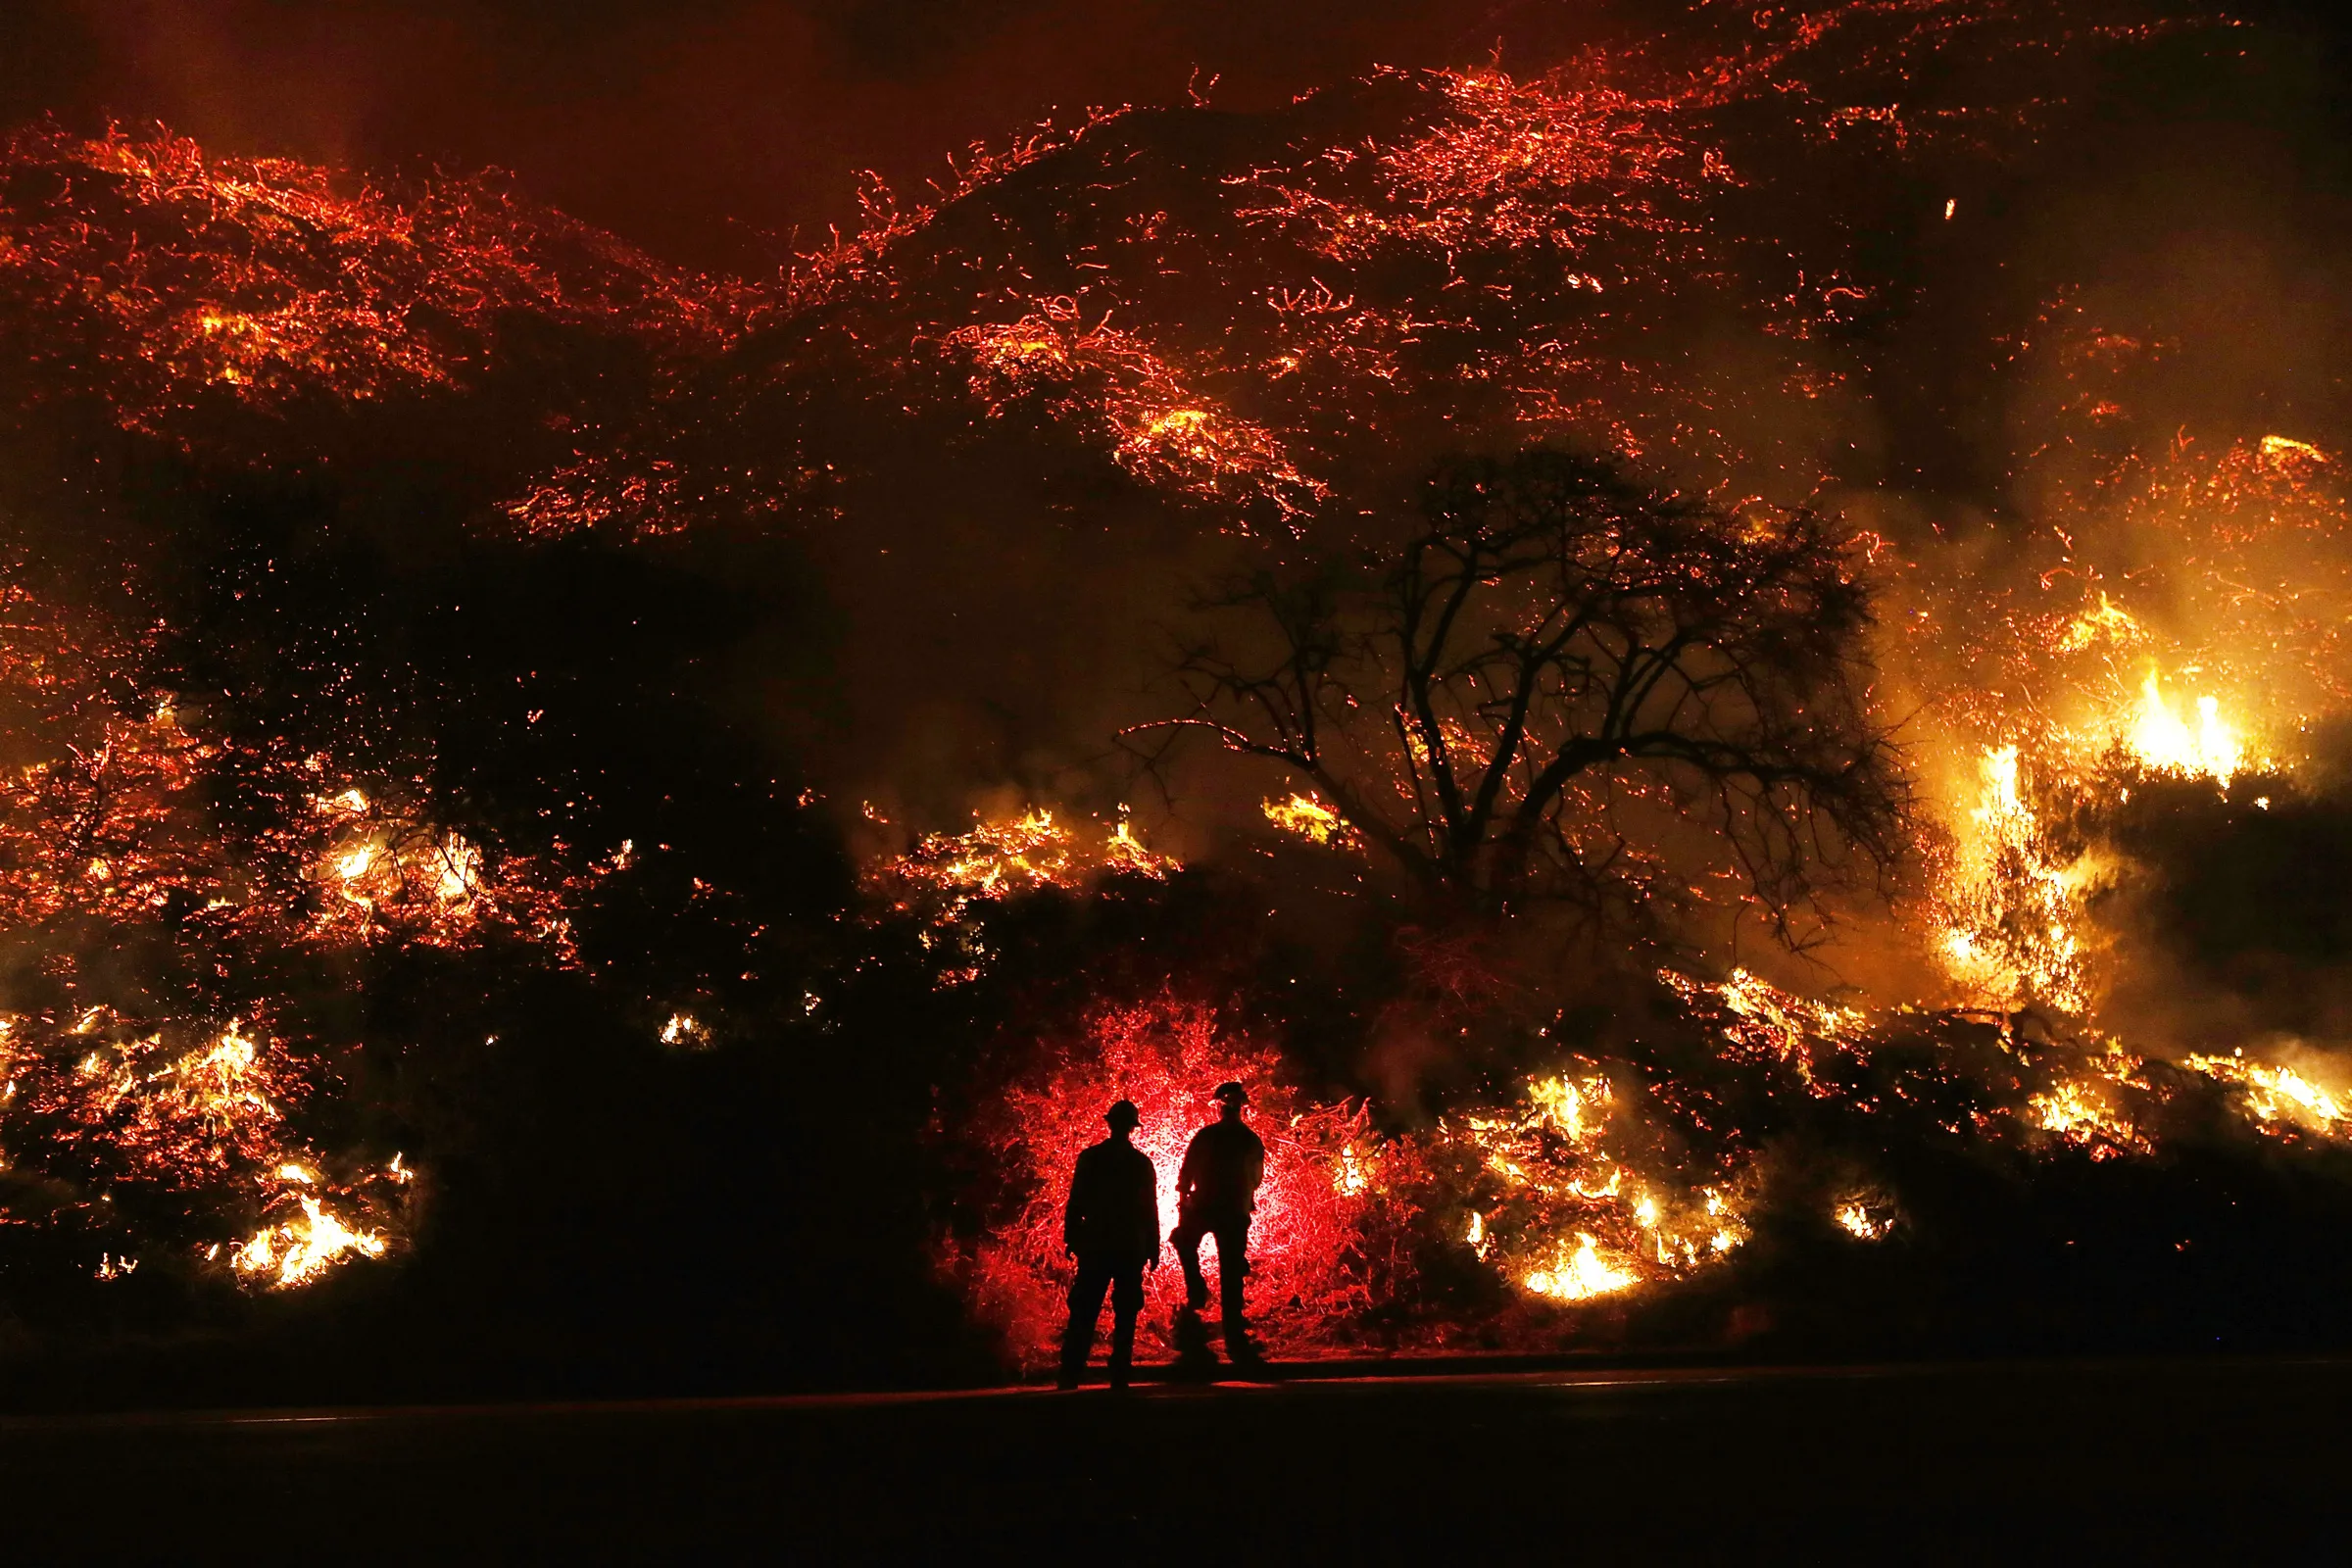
{"x":1216,"y":1192}
{"x":1111,"y":1226}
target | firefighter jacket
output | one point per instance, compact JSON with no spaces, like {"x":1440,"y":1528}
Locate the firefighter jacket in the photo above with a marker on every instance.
{"x":1113,"y":1212}
{"x":1222,"y":1168}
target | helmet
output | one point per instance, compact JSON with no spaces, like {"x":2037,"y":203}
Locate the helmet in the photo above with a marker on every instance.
{"x":1230,"y":1095}
{"x":1124,"y":1114}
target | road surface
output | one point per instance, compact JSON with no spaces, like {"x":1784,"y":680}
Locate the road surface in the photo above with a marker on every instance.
{"x":2218,"y":1460}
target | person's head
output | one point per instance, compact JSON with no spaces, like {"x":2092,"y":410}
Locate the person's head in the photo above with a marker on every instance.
{"x":1123,"y":1117}
{"x":1231,"y":1100}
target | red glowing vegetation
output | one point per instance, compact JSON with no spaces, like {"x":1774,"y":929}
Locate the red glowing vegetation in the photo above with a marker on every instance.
{"x":269,"y":280}
{"x":145,"y":1116}
{"x":1333,"y":1189}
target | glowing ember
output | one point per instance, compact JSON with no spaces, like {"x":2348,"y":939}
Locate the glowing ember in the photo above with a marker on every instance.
{"x":1138,"y":402}
{"x":258,"y":281}
{"x":945,"y":873}
{"x":2108,"y":624}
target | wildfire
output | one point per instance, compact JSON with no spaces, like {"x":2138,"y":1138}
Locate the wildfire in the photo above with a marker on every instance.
{"x":2109,"y":623}
{"x":2277,"y":1095}
{"x":948,"y":872}
{"x":2165,"y":743}
{"x":1555,"y":1177}
{"x":2011,"y":902}
{"x":1155,"y":426}
{"x":1499,"y":256}
{"x":1580,"y":1274}
{"x":685,"y":1032}
{"x":1306,"y":816}
{"x":1857,"y":1219}
{"x":2080,"y":1114}
{"x":299,"y":1250}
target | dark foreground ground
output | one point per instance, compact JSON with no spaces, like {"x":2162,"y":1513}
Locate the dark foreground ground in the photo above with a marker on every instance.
{"x":2216,"y":1460}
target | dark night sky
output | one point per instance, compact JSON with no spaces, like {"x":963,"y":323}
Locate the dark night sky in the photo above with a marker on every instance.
{"x":692,"y":125}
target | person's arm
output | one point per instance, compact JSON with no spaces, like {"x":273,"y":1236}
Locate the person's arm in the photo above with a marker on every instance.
{"x":1148,"y":1204}
{"x":1188,"y":1176}
{"x":1073,"y":1212}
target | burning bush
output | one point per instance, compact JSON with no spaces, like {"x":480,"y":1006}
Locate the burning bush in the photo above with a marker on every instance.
{"x":1324,"y":1247}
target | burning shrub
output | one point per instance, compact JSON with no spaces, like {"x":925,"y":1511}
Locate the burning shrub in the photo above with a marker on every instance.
{"x":1323,"y":1247}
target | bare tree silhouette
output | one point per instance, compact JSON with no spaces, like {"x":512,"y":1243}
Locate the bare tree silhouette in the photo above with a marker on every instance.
{"x":1556,"y":649}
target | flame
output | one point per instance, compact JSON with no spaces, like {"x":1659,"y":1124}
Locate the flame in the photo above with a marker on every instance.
{"x":301,"y":1250}
{"x":1563,"y":1104}
{"x":685,"y":1030}
{"x":2011,"y":906}
{"x":2277,"y":1095}
{"x":459,"y":875}
{"x":1579,"y":1275}
{"x":1309,"y":818}
{"x":1773,"y":1021}
{"x":2282,"y":449}
{"x":947,"y":873}
{"x":2109,"y":622}
{"x":1855,"y":1217}
{"x":2080,"y":1116}
{"x":1558,"y":1179}
{"x":2163,"y":743}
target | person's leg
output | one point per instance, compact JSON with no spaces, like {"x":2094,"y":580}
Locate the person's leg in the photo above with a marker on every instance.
{"x":1187,"y":1238}
{"x":1086,"y":1305}
{"x":1126,"y":1304}
{"x":1233,"y":1274}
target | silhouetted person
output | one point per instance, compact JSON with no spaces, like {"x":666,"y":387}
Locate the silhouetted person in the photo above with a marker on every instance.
{"x":1111,"y":1226}
{"x":1216,"y":1192}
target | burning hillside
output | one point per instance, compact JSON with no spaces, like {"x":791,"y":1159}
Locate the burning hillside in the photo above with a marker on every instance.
{"x":1426,"y":562}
